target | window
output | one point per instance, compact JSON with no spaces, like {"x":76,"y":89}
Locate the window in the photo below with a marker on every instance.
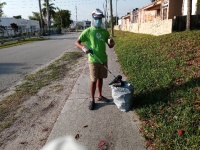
{"x":158,"y":13}
{"x":164,"y":13}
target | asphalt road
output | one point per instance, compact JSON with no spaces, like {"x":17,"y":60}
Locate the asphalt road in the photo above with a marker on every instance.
{"x":18,"y":61}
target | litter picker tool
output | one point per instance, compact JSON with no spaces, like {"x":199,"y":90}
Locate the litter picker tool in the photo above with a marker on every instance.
{"x":117,"y":79}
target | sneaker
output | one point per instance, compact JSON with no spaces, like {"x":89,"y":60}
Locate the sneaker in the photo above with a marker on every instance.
{"x":92,"y":105}
{"x":103,"y":99}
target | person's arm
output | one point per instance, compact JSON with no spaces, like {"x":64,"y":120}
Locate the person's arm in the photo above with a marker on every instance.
{"x":111,"y":43}
{"x":82,"y":47}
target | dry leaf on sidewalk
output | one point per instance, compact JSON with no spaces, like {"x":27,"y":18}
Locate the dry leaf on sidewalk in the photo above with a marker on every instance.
{"x":77,"y":136}
{"x":101,"y":143}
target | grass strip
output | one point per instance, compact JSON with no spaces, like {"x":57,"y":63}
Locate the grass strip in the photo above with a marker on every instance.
{"x":33,"y":83}
{"x":165,"y":72}
{"x":20,"y":42}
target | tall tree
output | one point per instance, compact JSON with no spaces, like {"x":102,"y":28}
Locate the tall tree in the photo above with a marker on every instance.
{"x":36,"y":16}
{"x":51,"y":10}
{"x":15,"y":27}
{"x":198,"y":7}
{"x":188,"y":14}
{"x":17,"y":17}
{"x":41,"y":18}
{"x":62,"y":18}
{"x":1,"y":6}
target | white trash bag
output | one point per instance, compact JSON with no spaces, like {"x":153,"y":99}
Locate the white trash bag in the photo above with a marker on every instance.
{"x":123,"y":96}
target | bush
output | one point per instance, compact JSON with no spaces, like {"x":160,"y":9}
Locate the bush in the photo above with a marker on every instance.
{"x":24,"y":33}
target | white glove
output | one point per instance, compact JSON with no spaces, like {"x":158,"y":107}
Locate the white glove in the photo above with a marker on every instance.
{"x":86,"y":50}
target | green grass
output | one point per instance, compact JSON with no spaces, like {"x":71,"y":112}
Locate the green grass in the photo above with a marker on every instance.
{"x":20,"y":42}
{"x":33,"y":83}
{"x":165,"y":71}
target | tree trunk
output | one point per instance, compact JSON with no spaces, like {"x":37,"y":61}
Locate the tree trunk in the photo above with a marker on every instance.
{"x":48,"y":18}
{"x":188,"y":14}
{"x":41,"y":18}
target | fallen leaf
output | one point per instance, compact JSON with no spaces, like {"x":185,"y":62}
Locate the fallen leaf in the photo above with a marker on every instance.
{"x":101,"y":143}
{"x":180,"y":132}
{"x":77,"y":136}
{"x":45,"y":129}
{"x":23,"y":142}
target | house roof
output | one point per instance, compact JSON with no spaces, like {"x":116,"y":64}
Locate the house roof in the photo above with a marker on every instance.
{"x":127,"y":16}
{"x":153,"y":6}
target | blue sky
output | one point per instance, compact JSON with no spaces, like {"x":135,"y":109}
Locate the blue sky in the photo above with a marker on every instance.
{"x":84,"y":7}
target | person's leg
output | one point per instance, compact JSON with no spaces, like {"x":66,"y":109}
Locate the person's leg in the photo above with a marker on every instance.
{"x":93,"y":89}
{"x":102,"y":74}
{"x":99,"y":86}
{"x":93,"y":82}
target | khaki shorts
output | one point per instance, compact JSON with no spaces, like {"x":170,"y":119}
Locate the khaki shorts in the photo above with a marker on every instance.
{"x":97,"y":71}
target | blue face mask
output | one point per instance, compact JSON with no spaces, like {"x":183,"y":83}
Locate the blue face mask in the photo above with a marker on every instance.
{"x":97,"y":22}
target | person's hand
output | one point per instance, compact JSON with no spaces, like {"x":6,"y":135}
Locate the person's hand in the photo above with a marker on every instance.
{"x":86,"y":50}
{"x":91,"y":51}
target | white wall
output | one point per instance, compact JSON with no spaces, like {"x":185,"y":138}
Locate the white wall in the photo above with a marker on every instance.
{"x":154,"y":27}
{"x":194,"y":7}
{"x":20,"y":22}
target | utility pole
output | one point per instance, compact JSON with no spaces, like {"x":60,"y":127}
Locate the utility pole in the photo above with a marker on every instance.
{"x":116,"y":13}
{"x":48,"y":18}
{"x":105,"y":14}
{"x":41,"y":19}
{"x":111,"y":18}
{"x":76,"y":17}
{"x":1,"y":11}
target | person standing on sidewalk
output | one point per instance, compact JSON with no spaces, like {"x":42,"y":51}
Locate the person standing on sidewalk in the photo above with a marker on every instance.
{"x":95,"y":39}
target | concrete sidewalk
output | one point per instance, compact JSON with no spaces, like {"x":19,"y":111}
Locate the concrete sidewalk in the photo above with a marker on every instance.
{"x":120,"y":130}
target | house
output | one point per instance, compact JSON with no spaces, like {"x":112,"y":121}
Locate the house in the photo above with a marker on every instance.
{"x":82,"y":24}
{"x":126,"y":21}
{"x":161,"y":10}
{"x":134,"y":15}
{"x":86,"y":24}
{"x":160,"y":17}
{"x":24,"y":25}
{"x":150,"y":12}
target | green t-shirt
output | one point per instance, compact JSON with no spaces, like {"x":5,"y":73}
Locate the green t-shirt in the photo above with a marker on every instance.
{"x":95,"y":39}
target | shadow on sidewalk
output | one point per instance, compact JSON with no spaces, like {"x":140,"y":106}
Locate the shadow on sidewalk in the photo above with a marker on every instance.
{"x":100,"y":104}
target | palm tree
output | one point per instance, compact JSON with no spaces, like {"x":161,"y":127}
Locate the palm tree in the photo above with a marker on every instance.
{"x":1,"y":6}
{"x":51,"y":10}
{"x":188,"y":14}
{"x":36,"y":16}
